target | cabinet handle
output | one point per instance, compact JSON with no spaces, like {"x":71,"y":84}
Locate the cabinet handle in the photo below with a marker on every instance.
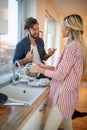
{"x":43,"y":108}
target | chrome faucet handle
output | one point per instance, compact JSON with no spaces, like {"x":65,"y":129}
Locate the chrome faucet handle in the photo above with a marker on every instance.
{"x":18,"y":64}
{"x":14,"y":69}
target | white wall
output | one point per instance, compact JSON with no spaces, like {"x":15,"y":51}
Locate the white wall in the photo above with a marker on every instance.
{"x":41,"y":5}
{"x":29,"y":10}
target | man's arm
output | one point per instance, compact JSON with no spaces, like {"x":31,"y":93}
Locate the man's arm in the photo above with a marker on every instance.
{"x":18,"y":55}
{"x":28,"y":58}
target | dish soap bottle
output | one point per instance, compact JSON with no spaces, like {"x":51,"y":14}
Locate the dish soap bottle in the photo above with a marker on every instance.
{"x":32,"y":48}
{"x":31,"y":51}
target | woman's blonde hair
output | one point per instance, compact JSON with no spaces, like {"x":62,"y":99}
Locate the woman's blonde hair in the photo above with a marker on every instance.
{"x":75,"y":23}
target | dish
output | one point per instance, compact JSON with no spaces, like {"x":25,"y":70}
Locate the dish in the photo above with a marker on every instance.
{"x":39,"y":82}
{"x":24,"y":80}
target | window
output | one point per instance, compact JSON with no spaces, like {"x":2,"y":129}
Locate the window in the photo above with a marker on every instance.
{"x":49,"y":35}
{"x":8,"y":41}
{"x":52,"y":38}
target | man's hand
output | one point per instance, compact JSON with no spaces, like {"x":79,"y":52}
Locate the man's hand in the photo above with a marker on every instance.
{"x":51,"y":51}
{"x":29,"y":57}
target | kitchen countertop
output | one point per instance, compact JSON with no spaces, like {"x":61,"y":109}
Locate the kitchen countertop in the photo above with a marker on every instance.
{"x":15,"y":117}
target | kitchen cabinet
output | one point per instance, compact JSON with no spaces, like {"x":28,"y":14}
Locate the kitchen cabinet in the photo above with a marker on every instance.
{"x":34,"y":123}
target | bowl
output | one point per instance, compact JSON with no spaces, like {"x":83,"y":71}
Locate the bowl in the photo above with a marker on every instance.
{"x":31,"y":75}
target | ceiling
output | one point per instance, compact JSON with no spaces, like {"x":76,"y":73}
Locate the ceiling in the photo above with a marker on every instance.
{"x":67,"y":7}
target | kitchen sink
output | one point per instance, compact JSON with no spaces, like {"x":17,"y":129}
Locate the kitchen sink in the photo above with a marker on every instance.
{"x":22,"y":93}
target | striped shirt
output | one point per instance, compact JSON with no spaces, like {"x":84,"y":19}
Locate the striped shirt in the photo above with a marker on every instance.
{"x":66,"y":79}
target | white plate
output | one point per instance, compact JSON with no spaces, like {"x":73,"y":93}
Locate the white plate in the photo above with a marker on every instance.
{"x":24,"y":80}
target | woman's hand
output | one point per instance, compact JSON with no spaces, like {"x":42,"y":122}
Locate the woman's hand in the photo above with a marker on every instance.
{"x":37,"y":68}
{"x":34,"y":68}
{"x":41,"y":65}
{"x":44,"y":66}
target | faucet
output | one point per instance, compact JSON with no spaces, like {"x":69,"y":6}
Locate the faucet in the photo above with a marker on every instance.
{"x":16,"y":64}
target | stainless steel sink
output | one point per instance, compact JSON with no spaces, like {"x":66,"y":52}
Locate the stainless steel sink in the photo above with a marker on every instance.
{"x":24,"y":94}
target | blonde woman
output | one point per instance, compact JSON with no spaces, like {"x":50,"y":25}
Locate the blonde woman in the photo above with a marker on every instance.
{"x":66,"y":75}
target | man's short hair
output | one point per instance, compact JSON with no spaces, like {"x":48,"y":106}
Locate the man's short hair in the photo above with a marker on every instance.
{"x":29,"y":23}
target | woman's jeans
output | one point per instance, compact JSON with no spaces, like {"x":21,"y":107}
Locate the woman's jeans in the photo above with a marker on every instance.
{"x":55,"y":119}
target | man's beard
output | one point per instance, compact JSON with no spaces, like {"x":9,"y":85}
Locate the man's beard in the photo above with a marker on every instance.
{"x":33,"y":36}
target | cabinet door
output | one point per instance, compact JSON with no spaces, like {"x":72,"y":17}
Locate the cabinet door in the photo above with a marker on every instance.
{"x":35,"y":121}
{"x":28,"y":125}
